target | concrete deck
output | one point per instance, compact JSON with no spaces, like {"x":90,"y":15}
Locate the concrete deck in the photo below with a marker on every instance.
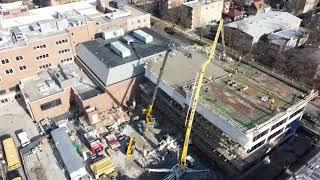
{"x":244,"y":108}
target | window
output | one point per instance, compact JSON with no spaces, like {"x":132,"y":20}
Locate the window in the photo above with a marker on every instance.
{"x":18,"y":58}
{"x":2,"y":91}
{"x":278,"y":124}
{"x":5,"y":61}
{"x":292,"y":123}
{"x":64,"y":51}
{"x":24,"y":10}
{"x":50,"y":105}
{"x":257,"y":145}
{"x":9,"y":71}
{"x":260,"y":135}
{"x":6,"y":13}
{"x":39,"y":47}
{"x":63,"y":41}
{"x":42,"y":56}
{"x":295,"y":113}
{"x":24,"y":67}
{"x":4,"y":100}
{"x":67,"y":59}
{"x":44,"y":66}
{"x":275,"y":134}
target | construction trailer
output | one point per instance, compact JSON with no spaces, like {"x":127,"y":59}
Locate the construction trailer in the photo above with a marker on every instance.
{"x":71,"y":159}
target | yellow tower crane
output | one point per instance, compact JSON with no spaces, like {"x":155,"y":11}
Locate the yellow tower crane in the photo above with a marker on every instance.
{"x":181,"y":168}
{"x":197,"y":89}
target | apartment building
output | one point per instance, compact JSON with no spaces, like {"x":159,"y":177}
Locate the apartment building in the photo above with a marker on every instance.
{"x":200,"y":13}
{"x":244,"y":109}
{"x":13,"y":9}
{"x":47,"y":37}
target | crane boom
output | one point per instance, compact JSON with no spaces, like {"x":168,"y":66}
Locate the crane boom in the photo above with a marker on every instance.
{"x":148,"y":110}
{"x":196,"y":96}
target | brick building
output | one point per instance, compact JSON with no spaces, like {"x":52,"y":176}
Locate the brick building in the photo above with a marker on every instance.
{"x":47,"y":37}
{"x":98,"y":78}
{"x":200,"y":13}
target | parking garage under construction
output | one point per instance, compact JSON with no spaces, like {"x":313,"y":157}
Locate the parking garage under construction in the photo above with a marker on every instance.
{"x":244,"y":109}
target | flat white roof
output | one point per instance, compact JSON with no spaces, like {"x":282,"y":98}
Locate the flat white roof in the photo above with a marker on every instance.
{"x":10,"y":5}
{"x":23,"y":137}
{"x":49,"y":13}
{"x":265,"y":23}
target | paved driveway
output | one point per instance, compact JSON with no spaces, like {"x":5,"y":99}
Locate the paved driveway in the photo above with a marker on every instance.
{"x":14,"y":117}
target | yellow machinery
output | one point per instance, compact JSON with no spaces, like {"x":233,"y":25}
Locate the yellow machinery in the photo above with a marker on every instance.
{"x":131,"y":146}
{"x":197,"y":89}
{"x":148,"y":111}
{"x":102,"y":167}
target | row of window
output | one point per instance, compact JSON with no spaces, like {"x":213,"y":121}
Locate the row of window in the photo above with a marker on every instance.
{"x":65,"y":60}
{"x":10,"y":71}
{"x":64,"y":51}
{"x":275,"y":134}
{"x":260,"y":135}
{"x":278,"y":124}
{"x":6,"y":61}
{"x":62,"y":41}
{"x":139,"y":21}
{"x":5,"y":100}
{"x":42,"y":56}
{"x":295,"y":113}
{"x":50,"y":104}
{"x":257,"y":145}
{"x":12,"y":89}
{"x":39,"y":47}
{"x":45,"y":66}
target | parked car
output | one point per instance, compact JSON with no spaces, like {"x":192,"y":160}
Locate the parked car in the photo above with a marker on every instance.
{"x":23,"y":138}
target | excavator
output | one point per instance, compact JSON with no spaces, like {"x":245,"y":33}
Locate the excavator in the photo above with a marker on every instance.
{"x":181,"y":168}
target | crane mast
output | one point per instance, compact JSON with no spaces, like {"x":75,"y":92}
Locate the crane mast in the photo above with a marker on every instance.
{"x":195,"y":98}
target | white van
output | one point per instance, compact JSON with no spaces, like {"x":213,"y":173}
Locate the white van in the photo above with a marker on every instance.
{"x":23,"y":138}
{"x":190,"y":161}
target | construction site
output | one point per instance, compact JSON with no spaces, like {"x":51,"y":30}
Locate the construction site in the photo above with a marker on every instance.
{"x":134,"y":104}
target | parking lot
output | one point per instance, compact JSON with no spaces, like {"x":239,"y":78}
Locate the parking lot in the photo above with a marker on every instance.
{"x":12,"y":118}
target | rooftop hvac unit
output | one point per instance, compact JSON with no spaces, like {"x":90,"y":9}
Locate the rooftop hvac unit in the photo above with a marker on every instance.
{"x":112,"y":34}
{"x":17,"y":34}
{"x":128,"y":39}
{"x":48,"y":26}
{"x":120,"y":49}
{"x":143,"y":36}
{"x":62,"y":24}
{"x":43,"y":88}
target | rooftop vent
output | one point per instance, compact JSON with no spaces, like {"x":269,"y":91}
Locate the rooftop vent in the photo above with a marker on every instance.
{"x":112,"y":33}
{"x":120,"y":49}
{"x":48,"y":26}
{"x":62,"y":24}
{"x":128,"y":39}
{"x":43,"y":88}
{"x":143,"y":36}
{"x":17,"y":34}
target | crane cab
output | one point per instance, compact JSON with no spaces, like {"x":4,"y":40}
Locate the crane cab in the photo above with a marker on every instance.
{"x":190,"y":161}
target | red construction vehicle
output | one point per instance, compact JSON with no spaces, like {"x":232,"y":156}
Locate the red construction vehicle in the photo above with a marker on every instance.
{"x":94,"y":143}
